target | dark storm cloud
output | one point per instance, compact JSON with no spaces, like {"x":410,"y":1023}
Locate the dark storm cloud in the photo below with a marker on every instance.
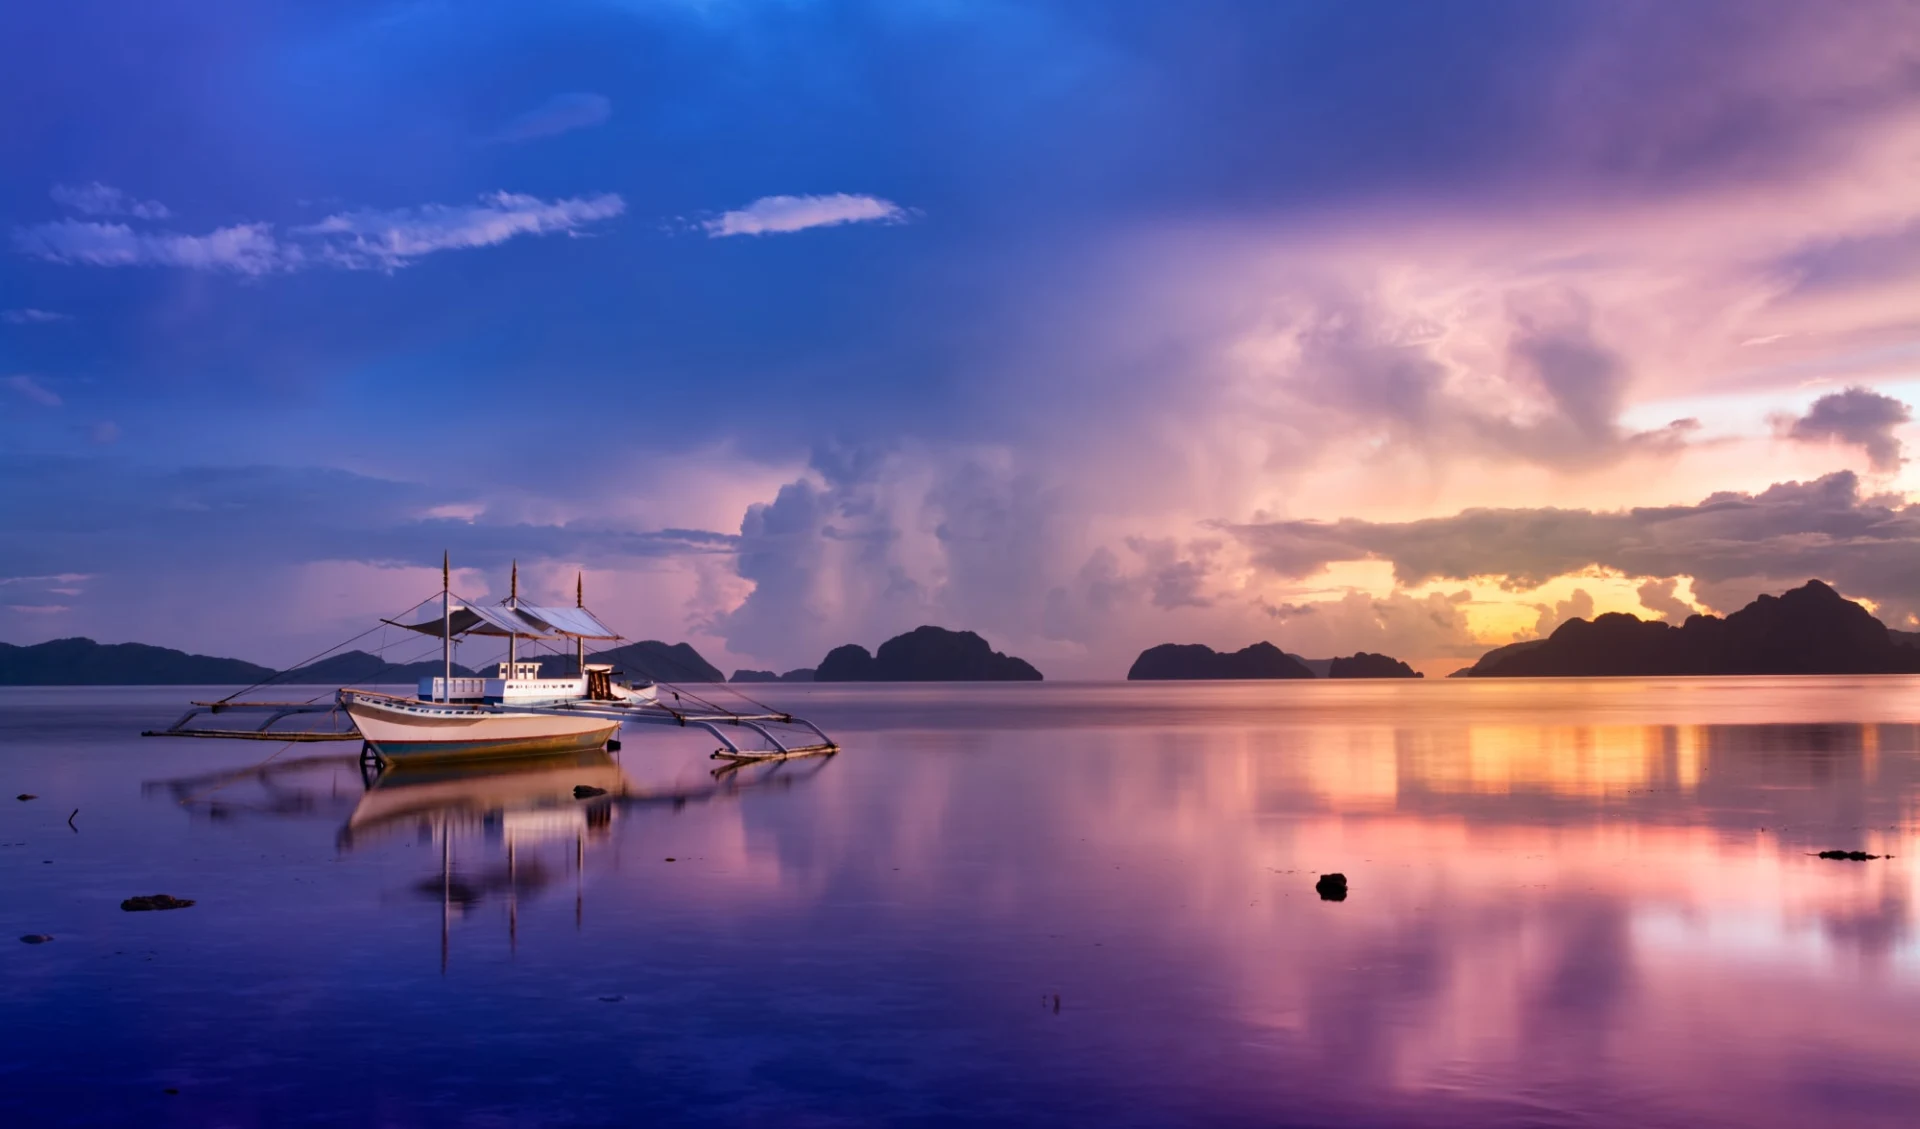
{"x":1731,"y":543}
{"x":1859,"y":417}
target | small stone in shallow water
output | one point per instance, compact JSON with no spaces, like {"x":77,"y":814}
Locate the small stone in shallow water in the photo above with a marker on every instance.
{"x":26,"y":796}
{"x":37,"y":938}
{"x":155,"y":901}
{"x":587,"y":791}
{"x":1849,"y":856}
{"x":1331,"y":887}
{"x":673,"y":860}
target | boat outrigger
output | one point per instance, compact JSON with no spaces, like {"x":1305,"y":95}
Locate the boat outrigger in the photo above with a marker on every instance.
{"x":517,"y":712}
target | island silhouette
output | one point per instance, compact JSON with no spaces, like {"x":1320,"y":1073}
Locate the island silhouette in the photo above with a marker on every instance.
{"x":1811,"y":629}
{"x":925,"y":654}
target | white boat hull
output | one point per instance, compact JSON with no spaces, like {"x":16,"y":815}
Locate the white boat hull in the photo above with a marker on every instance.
{"x":400,"y":729}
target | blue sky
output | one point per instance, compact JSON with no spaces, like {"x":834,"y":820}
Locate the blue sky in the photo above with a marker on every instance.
{"x":801,"y":323}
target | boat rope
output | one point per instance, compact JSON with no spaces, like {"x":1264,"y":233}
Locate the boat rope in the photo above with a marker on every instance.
{"x":278,"y":674}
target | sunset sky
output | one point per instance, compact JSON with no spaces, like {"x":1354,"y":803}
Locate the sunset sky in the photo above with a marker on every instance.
{"x":1412,"y":328}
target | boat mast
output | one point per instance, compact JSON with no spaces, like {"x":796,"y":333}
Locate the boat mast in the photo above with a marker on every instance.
{"x":580,"y":601}
{"x":446,"y":625}
{"x":513,"y":640}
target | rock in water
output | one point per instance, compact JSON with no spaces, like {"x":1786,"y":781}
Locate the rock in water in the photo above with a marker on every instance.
{"x":155,"y":901}
{"x":1331,"y":887}
{"x":24,"y":796}
{"x":37,"y":938}
{"x":587,"y":791}
{"x":1848,"y":856}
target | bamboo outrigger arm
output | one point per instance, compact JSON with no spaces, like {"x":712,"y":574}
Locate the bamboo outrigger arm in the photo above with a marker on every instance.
{"x":262,"y":732}
{"x":660,"y":715}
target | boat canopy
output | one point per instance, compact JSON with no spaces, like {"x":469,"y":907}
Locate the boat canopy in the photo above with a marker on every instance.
{"x":523,"y":622}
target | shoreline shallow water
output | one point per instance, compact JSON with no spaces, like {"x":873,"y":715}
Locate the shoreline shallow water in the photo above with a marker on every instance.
{"x":1572,"y":902}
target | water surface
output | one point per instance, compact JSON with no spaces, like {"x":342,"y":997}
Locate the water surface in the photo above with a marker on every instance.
{"x":1572,"y":903}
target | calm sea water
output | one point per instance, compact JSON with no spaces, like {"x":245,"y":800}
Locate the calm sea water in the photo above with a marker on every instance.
{"x":1571,"y":903}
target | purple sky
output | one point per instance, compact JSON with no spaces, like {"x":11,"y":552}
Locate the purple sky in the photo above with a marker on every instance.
{"x":1088,"y":326}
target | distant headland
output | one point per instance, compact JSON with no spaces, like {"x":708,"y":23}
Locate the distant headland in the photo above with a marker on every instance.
{"x":83,"y":662}
{"x":1179,"y":661}
{"x":1808,"y":630}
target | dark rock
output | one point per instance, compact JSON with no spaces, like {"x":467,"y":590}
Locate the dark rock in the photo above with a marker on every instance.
{"x":798,"y":674}
{"x":754,"y":676}
{"x":155,"y":901}
{"x":1331,"y":887}
{"x":851,"y":663}
{"x":1849,"y":856}
{"x":587,"y":791}
{"x":925,"y":654}
{"x":1197,"y":661}
{"x":37,"y":938}
{"x":1809,"y":630}
{"x":649,"y":659}
{"x":26,"y":796}
{"x":1365,"y":664}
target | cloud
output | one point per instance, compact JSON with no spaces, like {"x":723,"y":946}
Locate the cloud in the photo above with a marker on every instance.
{"x":1733,"y":544}
{"x":1859,"y":417}
{"x":33,"y":390}
{"x":1577,"y":606}
{"x":97,"y":199}
{"x":559,"y":114}
{"x":383,"y":240}
{"x":771,"y":215}
{"x":31,"y":316}
{"x":362,"y":240}
{"x":1657,"y":597}
{"x":248,"y":248}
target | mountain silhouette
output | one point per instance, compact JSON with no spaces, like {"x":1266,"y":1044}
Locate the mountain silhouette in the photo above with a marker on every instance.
{"x":1808,"y":630}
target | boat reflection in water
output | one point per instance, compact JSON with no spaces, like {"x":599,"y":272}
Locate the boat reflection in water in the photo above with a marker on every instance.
{"x":534,"y":809}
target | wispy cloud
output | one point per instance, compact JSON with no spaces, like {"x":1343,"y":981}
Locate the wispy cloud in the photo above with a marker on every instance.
{"x":31,"y":316}
{"x":383,"y":240}
{"x":54,"y":578}
{"x":562,"y":113}
{"x":774,"y":215}
{"x":361,"y":240}
{"x":31,"y":389}
{"x":98,"y":199}
{"x":248,"y":248}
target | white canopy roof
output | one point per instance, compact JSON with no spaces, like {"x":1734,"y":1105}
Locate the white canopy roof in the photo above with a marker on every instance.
{"x":525,"y":622}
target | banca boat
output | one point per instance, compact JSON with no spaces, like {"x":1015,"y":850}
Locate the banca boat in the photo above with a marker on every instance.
{"x":517,"y":712}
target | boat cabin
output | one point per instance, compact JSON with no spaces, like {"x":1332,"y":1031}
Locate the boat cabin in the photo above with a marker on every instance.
{"x":520,"y":682}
